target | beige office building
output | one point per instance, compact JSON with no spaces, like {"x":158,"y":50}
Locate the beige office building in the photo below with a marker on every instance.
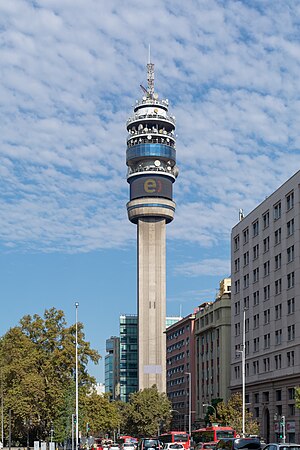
{"x":212,"y":334}
{"x":265,"y":282}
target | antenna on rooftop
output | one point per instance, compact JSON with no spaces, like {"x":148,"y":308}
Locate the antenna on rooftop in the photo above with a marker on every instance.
{"x":150,"y":75}
{"x":241,"y":214}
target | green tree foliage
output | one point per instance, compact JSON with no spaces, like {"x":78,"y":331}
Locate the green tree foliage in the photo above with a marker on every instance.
{"x":102,"y":415}
{"x":297,"y":397}
{"x":231,"y":414}
{"x":38,"y":369}
{"x":147,"y":412}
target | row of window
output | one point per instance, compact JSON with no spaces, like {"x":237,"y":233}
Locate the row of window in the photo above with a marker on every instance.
{"x":277,"y":210}
{"x":176,"y":346}
{"x":266,"y":341}
{"x":290,"y":255}
{"x":290,"y":282}
{"x":177,"y":333}
{"x":264,"y":365}
{"x":278,"y":309}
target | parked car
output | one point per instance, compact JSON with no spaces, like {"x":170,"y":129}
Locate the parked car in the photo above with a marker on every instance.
{"x":239,"y":444}
{"x":146,"y":443}
{"x":205,"y":446}
{"x":282,"y":446}
{"x":173,"y":446}
{"x":128,"y":446}
{"x":114,"y":446}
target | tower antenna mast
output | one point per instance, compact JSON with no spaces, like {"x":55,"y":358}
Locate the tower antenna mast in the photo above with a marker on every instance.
{"x":150,"y":75}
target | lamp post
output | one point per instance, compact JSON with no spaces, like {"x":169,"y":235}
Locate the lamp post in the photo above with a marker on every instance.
{"x":211,"y":406}
{"x":190,"y":401}
{"x":76,"y":372}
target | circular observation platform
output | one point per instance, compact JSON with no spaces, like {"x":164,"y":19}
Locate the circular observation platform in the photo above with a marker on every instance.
{"x":153,"y":207}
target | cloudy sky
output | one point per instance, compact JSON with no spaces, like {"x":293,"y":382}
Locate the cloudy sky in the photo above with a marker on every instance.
{"x":70,"y":73}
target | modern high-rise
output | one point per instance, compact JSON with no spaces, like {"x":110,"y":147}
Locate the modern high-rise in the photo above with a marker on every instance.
{"x":265,"y":263}
{"x":212,"y":335}
{"x":112,"y":364}
{"x":151,"y":161}
{"x":128,"y":356}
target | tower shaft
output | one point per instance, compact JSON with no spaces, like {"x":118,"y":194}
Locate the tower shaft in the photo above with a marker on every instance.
{"x":152,"y":302}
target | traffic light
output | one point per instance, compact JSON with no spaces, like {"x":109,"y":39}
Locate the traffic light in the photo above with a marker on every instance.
{"x":75,"y":418}
{"x":87,"y":427}
{"x":282,"y":427}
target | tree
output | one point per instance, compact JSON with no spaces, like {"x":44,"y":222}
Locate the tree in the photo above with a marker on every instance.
{"x":231,"y":414}
{"x":38,"y":368}
{"x":297,"y":397}
{"x":102,"y":415}
{"x":148,"y":411}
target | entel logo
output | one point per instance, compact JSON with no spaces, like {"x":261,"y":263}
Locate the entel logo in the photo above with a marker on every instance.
{"x":152,"y":186}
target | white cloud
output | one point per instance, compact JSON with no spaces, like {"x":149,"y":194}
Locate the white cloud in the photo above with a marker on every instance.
{"x":71,"y":71}
{"x":207,"y":267}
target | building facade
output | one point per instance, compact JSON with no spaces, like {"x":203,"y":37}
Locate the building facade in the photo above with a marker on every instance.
{"x":180,"y":371}
{"x":128,"y":356}
{"x":151,"y":161}
{"x":265,"y":265}
{"x":112,"y":364}
{"x":212,"y":335}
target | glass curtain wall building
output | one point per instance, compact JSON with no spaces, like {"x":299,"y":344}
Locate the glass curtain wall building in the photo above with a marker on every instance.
{"x":128,"y":356}
{"x":112,"y":365}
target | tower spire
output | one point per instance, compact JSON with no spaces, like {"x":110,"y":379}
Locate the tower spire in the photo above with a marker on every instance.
{"x":150,"y":75}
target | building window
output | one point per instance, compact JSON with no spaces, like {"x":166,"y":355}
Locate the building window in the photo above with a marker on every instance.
{"x":290,"y":201}
{"x":290,"y":253}
{"x":291,"y":410}
{"x":247,"y":347}
{"x":256,"y":321}
{"x":256,"y":397}
{"x":267,"y":340}
{"x":246,"y":280}
{"x":236,"y":242}
{"x":277,"y":235}
{"x":246,"y":235}
{"x":266,"y":219}
{"x":266,"y":244}
{"x":266,"y":363}
{"x":278,"y":261}
{"x":255,"y":298}
{"x":246,"y":258}
{"x":290,"y":358}
{"x":237,"y":265}
{"x":256,"y":344}
{"x":277,"y":359}
{"x":278,"y":395}
{"x":290,"y":227}
{"x":278,"y":311}
{"x":246,"y":302}
{"x":246,"y":325}
{"x":278,"y":286}
{"x":237,"y":372}
{"x":267,"y":292}
{"x":291,"y":393}
{"x":237,"y":308}
{"x":237,"y":286}
{"x":266,"y":268}
{"x":291,"y":306}
{"x":266,"y":316}
{"x":291,"y":332}
{"x":277,"y":211}
{"x":278,"y":337}
{"x":255,"y":251}
{"x":247,"y":372}
{"x":290,"y":280}
{"x":278,"y":410}
{"x":256,"y":275}
{"x":256,"y":412}
{"x":255,"y":228}
{"x":255,"y":366}
{"x":237,"y":328}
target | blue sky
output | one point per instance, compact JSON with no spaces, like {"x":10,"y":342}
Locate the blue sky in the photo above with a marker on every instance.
{"x":70,"y":73}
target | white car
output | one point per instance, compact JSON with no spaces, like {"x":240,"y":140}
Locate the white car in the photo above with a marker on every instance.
{"x":128,"y":446}
{"x":173,"y":446}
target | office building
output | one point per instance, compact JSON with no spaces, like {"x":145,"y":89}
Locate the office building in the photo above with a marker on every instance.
{"x":128,"y":356}
{"x":265,"y":265}
{"x":180,"y":371}
{"x":112,"y":364}
{"x":212,"y":334}
{"x":151,"y":161}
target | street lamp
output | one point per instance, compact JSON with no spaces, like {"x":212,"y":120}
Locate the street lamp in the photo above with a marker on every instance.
{"x":190,"y":402}
{"x":243,"y":352}
{"x":76,"y":372}
{"x":211,"y":406}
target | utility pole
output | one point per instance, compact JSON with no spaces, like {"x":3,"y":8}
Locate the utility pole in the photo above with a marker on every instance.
{"x":72,"y":431}
{"x":2,"y":410}
{"x":9,"y":431}
{"x":76,"y":375}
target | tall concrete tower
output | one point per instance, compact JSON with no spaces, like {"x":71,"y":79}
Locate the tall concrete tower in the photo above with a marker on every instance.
{"x":152,"y":170}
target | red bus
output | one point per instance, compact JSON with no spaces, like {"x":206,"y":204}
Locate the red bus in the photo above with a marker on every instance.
{"x":212,"y":434}
{"x":176,"y":436}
